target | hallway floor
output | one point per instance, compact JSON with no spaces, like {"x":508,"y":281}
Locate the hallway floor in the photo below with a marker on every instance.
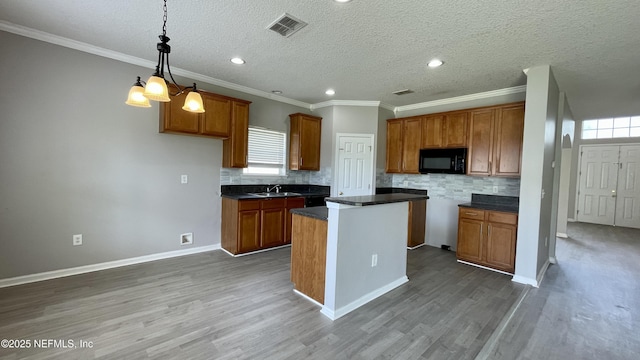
{"x":588,"y":305}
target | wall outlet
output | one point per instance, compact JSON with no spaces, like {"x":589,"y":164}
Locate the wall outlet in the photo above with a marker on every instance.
{"x":374,"y":260}
{"x":186,"y":239}
{"x":184,"y":179}
{"x":495,"y":189}
{"x":77,"y":239}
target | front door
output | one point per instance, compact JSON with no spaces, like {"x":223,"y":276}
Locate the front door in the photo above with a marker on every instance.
{"x":609,"y":191}
{"x":355,"y":165}
{"x":628,"y":193}
{"x":598,"y":183}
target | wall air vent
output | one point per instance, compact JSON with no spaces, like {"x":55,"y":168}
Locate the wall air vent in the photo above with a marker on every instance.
{"x":286,"y":25}
{"x":403,"y":92}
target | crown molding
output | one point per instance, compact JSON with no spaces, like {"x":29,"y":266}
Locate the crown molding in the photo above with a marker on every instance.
{"x":464,"y":98}
{"x":345,"y":103}
{"x":110,"y":54}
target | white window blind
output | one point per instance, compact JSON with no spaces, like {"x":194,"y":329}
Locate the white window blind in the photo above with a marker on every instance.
{"x":266,"y":150}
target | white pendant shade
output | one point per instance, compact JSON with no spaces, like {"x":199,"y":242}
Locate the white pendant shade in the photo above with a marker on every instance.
{"x":193,"y":103}
{"x":136,"y":97}
{"x":156,"y":89}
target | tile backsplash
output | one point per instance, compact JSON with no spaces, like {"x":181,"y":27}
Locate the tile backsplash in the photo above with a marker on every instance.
{"x":456,"y":187}
{"x":237,"y":177}
{"x":440,"y":186}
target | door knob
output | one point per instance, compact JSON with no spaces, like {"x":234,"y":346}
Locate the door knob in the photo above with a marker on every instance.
{"x":340,"y":193}
{"x":613,"y":193}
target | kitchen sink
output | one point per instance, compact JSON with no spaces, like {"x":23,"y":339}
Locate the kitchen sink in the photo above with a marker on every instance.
{"x":272,"y":194}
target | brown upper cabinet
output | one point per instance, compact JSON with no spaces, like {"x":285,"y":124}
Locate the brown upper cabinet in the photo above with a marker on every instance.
{"x":304,"y":142}
{"x":235,"y":148}
{"x":224,"y":118}
{"x":214,"y":122}
{"x":412,"y":130}
{"x":495,"y":141}
{"x":447,"y":130}
{"x":404,"y":139}
{"x":394,"y":146}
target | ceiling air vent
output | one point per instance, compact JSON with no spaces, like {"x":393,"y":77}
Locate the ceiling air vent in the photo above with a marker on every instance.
{"x":403,"y":92}
{"x":286,"y":25}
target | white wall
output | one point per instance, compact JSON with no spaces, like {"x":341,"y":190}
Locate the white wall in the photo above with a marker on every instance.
{"x":534,"y":224}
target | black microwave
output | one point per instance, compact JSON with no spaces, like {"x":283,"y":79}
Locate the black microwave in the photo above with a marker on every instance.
{"x":443,"y":161}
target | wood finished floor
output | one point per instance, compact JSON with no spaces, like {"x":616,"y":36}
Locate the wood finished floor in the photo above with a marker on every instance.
{"x":212,"y":306}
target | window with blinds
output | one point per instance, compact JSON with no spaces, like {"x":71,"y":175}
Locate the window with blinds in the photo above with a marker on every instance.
{"x":266,"y":152}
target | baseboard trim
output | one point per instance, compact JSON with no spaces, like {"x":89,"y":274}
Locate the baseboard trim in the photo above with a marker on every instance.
{"x":306,"y":297}
{"x":255,"y":252}
{"x":524,"y":280}
{"x":562,"y":235}
{"x":484,"y":267}
{"x":542,"y":272}
{"x":26,"y":279}
{"x":571,"y":220}
{"x":336,"y":314}
{"x":417,"y":246}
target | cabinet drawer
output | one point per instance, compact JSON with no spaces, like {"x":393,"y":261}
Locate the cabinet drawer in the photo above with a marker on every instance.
{"x":470,"y":213}
{"x":248,"y":205}
{"x":505,"y":218}
{"x":272,"y":203}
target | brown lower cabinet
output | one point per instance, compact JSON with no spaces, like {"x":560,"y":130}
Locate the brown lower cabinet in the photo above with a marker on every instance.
{"x":417,"y":223}
{"x":487,"y":238}
{"x":256,"y":224}
{"x":308,"y":256}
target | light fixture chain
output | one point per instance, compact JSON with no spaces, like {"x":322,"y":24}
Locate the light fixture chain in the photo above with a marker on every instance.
{"x":164,"y":19}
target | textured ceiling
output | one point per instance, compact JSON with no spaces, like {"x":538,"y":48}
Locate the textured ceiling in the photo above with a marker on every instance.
{"x":365,"y":49}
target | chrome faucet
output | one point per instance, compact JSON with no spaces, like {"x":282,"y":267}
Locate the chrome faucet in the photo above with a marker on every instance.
{"x":276,"y":187}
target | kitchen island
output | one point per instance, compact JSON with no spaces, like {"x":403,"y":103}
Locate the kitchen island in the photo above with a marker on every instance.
{"x":366,"y":253}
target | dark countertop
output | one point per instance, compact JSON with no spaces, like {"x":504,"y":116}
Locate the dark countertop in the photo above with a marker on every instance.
{"x":316,"y":212}
{"x":491,"y":207}
{"x":493,"y":203}
{"x":243,"y":192}
{"x":247,"y":196}
{"x":367,"y":200}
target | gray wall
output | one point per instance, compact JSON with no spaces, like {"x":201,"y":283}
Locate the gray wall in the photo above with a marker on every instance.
{"x":76,"y":159}
{"x":537,"y":173}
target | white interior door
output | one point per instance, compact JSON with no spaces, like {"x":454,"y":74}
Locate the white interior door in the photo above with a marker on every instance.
{"x":628,"y":192}
{"x":355,"y":165}
{"x":598,"y":182}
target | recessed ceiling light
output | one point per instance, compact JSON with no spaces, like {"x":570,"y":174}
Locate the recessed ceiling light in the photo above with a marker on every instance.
{"x":435,"y":63}
{"x":330,"y":92}
{"x":277,"y":92}
{"x":342,"y":1}
{"x":237,"y":61}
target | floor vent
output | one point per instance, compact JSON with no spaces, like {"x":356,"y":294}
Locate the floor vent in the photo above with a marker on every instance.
{"x":403,"y":92}
{"x":286,"y":25}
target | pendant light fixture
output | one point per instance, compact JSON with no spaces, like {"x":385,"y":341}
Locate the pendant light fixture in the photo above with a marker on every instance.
{"x":156,"y":87}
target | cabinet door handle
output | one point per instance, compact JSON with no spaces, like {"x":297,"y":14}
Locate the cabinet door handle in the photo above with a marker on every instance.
{"x":300,"y":161}
{"x":481,"y":225}
{"x":490,"y":168}
{"x":489,"y":230}
{"x":470,"y":213}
